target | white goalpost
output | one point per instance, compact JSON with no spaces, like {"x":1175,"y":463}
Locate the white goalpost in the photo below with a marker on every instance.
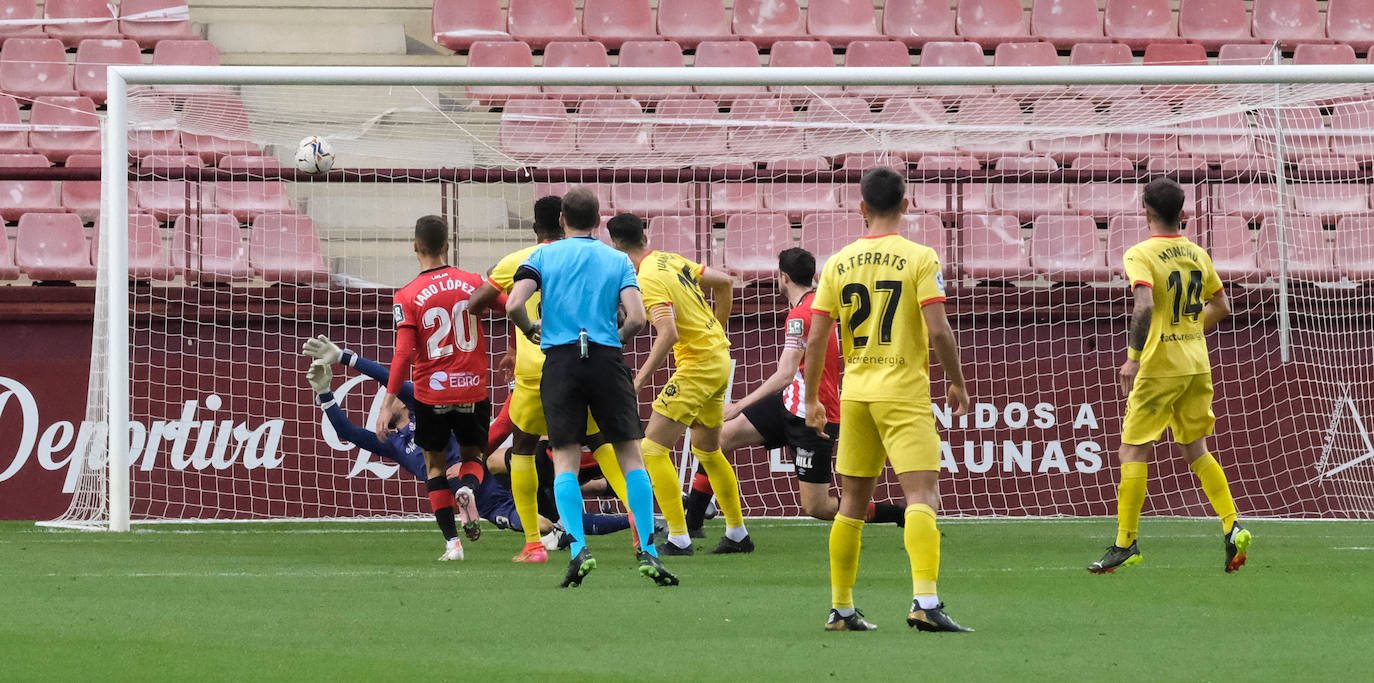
{"x":1026,"y":180}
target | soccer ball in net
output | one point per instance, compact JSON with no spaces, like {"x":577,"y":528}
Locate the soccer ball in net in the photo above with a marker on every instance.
{"x":314,"y":155}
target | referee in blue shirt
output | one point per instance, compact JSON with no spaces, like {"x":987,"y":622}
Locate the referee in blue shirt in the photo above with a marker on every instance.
{"x":585,"y":284}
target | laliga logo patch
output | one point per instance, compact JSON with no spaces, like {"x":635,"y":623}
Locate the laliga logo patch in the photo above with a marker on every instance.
{"x":670,"y":390}
{"x":794,"y":327}
{"x":438,"y":380}
{"x":397,"y":313}
{"x":940,"y":281}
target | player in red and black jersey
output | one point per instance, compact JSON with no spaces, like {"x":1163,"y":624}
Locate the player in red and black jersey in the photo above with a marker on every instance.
{"x":442,"y":338}
{"x":774,"y":414}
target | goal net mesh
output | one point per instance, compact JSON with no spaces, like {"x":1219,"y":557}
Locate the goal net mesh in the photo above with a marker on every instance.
{"x":1029,"y":194}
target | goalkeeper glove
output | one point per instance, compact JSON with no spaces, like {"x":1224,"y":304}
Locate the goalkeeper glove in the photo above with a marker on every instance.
{"x":322,"y":349}
{"x":319,"y":376}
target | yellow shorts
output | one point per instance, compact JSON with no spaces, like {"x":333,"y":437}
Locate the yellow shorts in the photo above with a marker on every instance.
{"x":875,"y":432}
{"x":1183,"y":404}
{"x":695,"y":394}
{"x":527,"y":410}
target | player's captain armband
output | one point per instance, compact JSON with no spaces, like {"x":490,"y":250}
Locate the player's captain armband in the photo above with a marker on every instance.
{"x":398,"y":314}
{"x":796,"y":327}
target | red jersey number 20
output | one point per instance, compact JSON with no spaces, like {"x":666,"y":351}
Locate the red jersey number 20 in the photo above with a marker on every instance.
{"x":439,"y":322}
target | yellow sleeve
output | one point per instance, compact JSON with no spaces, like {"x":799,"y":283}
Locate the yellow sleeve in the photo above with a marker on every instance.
{"x":930,"y":282}
{"x":654,"y":291}
{"x":696,"y":268}
{"x":1138,"y":270}
{"x":825,"y":300}
{"x":502,"y":274}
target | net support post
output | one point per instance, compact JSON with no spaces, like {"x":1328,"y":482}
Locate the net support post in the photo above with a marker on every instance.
{"x":115,"y":216}
{"x":1281,"y":219}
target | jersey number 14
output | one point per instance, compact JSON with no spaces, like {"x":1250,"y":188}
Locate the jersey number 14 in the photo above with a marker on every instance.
{"x":441,"y":321}
{"x":1187,"y":301}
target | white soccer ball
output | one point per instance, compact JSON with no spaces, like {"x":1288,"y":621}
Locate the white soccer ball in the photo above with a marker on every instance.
{"x":314,"y":155}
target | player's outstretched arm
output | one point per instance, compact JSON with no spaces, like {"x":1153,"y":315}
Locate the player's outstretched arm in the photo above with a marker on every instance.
{"x":515,"y":308}
{"x":321,"y":348}
{"x":789,"y":362}
{"x":722,"y":288}
{"x":665,"y":335}
{"x":947,"y":351}
{"x":485,"y":297}
{"x":1218,"y":307}
{"x":822,"y":326}
{"x":319,"y":376}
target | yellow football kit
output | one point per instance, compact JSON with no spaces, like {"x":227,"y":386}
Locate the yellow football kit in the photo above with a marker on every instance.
{"x":1174,"y":387}
{"x":695,"y":393}
{"x":875,"y":288}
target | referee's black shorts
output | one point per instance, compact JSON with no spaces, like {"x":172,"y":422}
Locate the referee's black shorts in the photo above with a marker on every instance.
{"x":571,"y":385}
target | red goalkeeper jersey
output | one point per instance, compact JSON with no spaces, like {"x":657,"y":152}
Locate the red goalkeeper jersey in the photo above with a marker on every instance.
{"x":794,"y":396}
{"x":436,"y":331}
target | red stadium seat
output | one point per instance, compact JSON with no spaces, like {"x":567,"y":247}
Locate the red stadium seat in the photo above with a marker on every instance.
{"x":1215,"y":146}
{"x":1355,"y":247}
{"x":612,"y":22}
{"x":248,"y":200}
{"x":1124,"y":232}
{"x":186,"y":52}
{"x":248,"y":162}
{"x":157,"y":136}
{"x":799,"y":199}
{"x":1138,"y":23}
{"x":20,"y":10}
{"x":285,"y":248}
{"x":989,"y":22}
{"x":33,"y":67}
{"x":1349,"y":21}
{"x":687,"y":138}
{"x":690,"y":22}
{"x":1139,"y":147}
{"x":1330,"y":201}
{"x":167,"y":161}
{"x":8,"y":271}
{"x":652,"y":53}
{"x":840,"y":21}
{"x":728,"y":53}
{"x":213,"y":127}
{"x":1315,"y":53}
{"x":212,"y":248}
{"x":1105,"y":200}
{"x":823,"y":234}
{"x":837,"y":110}
{"x":1176,"y":163}
{"x":1290,"y":21}
{"x":1065,"y":22}
{"x":18,"y":197}
{"x":1246,"y":54}
{"x":167,"y":198}
{"x":147,"y":257}
{"x":1175,"y":54}
{"x":535,"y":129}
{"x":993,"y":248}
{"x":82,"y":197}
{"x":1030,"y":199}
{"x":1027,"y":54}
{"x":915,"y":22}
{"x":767,"y":21}
{"x":1304,"y":133}
{"x":1085,"y":54}
{"x":1103,"y":162}
{"x":959,"y":53}
{"x":1353,"y":116}
{"x":151,"y":21}
{"x":803,"y":53}
{"x":1067,"y":249}
{"x":816,"y":163}
{"x":1310,"y":256}
{"x":914,"y":112}
{"x":733,"y":198}
{"x":98,"y":20}
{"x":52,"y":246}
{"x":998,"y":111}
{"x":764,"y":135}
{"x":457,"y":24}
{"x":752,"y":244}
{"x":611,"y":127}
{"x":1073,"y":114}
{"x":1247,"y":200}
{"x":576,"y":54}
{"x":602,"y":192}
{"x":1213,"y":22}
{"x":876,"y":53}
{"x":927,"y":229}
{"x":1233,"y":250}
{"x":677,"y":234}
{"x":540,"y":22}
{"x":14,"y":139}
{"x":652,"y":199}
{"x":500,"y":53}
{"x":92,"y":59}
{"x":944,"y":198}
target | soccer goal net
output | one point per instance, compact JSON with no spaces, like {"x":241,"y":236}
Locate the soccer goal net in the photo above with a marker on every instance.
{"x":1025,"y":181}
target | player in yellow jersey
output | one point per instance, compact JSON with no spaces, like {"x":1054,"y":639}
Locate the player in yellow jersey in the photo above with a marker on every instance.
{"x":888,"y":296}
{"x":695,"y":395}
{"x":1167,"y":376}
{"x":526,"y":407}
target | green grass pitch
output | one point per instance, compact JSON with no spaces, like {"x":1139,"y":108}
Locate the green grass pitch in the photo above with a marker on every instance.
{"x":369,"y":602}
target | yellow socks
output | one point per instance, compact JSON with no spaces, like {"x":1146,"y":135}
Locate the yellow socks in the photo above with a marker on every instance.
{"x":725,"y":485}
{"x":524,"y":484}
{"x":667,"y":486}
{"x":922,"y":541}
{"x":610,"y":468}
{"x":1130,"y":498}
{"x":846,"y":539}
{"x":1213,"y":480}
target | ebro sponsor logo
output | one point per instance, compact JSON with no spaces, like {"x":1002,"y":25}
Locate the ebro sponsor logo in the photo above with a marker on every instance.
{"x":459,"y":380}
